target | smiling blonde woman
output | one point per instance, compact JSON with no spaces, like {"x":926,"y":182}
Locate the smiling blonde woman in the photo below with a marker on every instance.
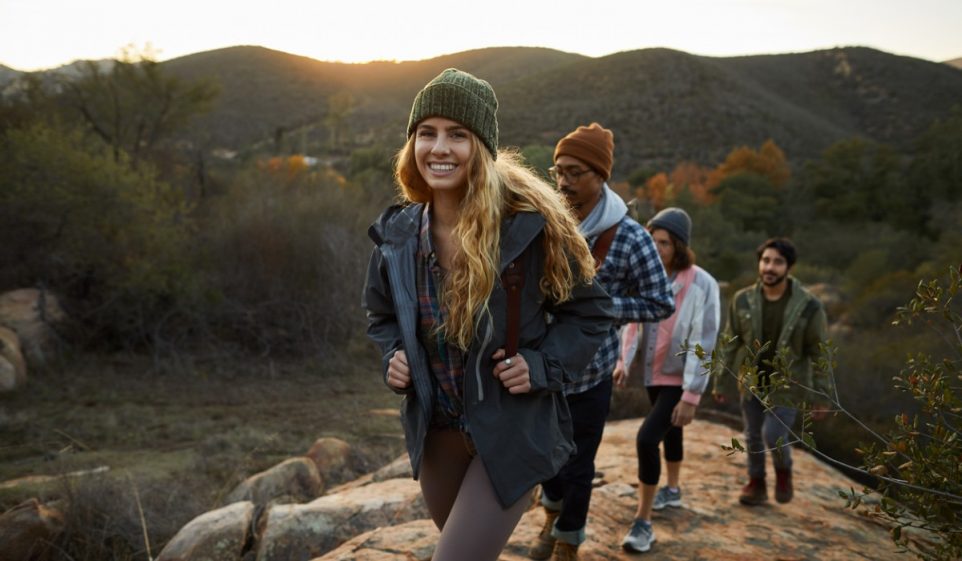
{"x":483,"y":424}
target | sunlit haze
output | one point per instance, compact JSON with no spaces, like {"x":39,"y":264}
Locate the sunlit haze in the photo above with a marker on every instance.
{"x":36,"y":34}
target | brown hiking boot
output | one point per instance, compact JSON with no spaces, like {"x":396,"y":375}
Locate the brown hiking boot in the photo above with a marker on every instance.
{"x":755,"y":493}
{"x":783,"y":485}
{"x":564,"y":551}
{"x":544,"y":543}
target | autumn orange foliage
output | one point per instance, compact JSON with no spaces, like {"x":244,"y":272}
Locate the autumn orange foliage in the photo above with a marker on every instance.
{"x":661,"y":189}
{"x":299,"y":167}
{"x":693,"y":178}
{"x":768,"y":161}
{"x":293,"y":165}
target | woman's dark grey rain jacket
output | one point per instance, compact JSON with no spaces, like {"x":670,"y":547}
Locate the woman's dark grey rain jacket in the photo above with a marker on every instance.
{"x":522,"y":439}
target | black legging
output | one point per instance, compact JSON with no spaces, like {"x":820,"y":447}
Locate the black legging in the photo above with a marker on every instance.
{"x":655,"y":428}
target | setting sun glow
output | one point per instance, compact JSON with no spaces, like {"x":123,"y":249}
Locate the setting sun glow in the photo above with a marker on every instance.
{"x":37,"y":34}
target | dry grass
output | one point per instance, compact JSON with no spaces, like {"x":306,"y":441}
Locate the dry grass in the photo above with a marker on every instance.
{"x":175,"y":443}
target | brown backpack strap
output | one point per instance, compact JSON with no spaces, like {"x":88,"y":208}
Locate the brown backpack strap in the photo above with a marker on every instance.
{"x":603,"y":244}
{"x":513,"y":281}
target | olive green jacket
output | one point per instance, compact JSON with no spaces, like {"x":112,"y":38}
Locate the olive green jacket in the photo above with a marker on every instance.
{"x":803,"y":328}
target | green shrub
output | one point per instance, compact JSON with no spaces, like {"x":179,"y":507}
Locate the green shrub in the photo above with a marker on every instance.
{"x":109,"y":237}
{"x":285,"y":256}
{"x":917,"y":461}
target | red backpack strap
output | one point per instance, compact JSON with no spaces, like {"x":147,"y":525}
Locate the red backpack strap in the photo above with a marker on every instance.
{"x":603,"y":244}
{"x":513,"y":281}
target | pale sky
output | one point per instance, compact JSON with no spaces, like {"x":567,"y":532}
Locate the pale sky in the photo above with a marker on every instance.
{"x":37,"y":34}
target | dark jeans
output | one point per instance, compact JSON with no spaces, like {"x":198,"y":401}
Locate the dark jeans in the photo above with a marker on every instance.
{"x":764,"y":428}
{"x":655,"y":428}
{"x":573,"y":483}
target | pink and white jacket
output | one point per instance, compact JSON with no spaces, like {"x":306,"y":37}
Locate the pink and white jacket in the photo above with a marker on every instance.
{"x":656,"y":351}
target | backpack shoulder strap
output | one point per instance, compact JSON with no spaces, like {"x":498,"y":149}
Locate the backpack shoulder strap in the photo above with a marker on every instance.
{"x":603,"y":244}
{"x":513,"y":281}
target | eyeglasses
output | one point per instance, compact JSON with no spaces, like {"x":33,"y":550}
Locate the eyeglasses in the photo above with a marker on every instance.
{"x":555,"y":173}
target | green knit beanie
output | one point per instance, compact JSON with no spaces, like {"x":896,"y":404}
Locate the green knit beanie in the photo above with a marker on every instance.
{"x":461,"y":97}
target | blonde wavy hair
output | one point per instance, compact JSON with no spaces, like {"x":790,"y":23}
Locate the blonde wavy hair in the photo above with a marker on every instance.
{"x":495,"y":189}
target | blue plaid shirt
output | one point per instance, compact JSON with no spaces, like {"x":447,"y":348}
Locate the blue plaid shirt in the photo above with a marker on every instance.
{"x":634,"y":277}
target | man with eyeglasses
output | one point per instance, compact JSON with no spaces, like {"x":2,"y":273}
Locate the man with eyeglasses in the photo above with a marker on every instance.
{"x":631,"y":271}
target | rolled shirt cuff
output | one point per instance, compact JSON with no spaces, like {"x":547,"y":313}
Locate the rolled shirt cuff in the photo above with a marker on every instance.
{"x":689,"y":397}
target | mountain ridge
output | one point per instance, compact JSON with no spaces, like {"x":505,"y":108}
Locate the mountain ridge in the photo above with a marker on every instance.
{"x":663,"y":105}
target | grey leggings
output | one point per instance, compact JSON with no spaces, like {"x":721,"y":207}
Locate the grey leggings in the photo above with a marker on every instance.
{"x":461,"y":500}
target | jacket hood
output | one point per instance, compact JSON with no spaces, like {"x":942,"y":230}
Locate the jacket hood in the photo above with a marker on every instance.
{"x":395,"y":223}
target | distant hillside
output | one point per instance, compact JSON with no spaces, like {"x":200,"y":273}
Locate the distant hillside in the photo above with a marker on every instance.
{"x":263,"y":89}
{"x":956,"y":62}
{"x":663,"y":105}
{"x":13,"y":82}
{"x":666,"y":105}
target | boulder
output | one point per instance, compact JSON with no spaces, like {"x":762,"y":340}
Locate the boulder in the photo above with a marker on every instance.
{"x":32,"y":314}
{"x":313,"y":529}
{"x":332,"y":456}
{"x":13,"y":369}
{"x":293,"y":480}
{"x":411,"y":541}
{"x":218,"y":535}
{"x":27,"y":531}
{"x":398,"y":469}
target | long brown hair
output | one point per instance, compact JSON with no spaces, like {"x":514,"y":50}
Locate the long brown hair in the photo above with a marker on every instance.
{"x":496,"y":187}
{"x":683,"y":256}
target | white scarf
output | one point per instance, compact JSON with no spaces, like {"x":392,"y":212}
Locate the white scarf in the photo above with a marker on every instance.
{"x":608,"y":212}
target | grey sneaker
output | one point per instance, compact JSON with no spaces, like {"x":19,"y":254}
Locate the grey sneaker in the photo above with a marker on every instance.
{"x":639,"y":537}
{"x":666,"y":497}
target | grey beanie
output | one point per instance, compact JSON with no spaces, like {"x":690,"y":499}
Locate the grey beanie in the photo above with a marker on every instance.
{"x":676,"y":221}
{"x":459,"y":96}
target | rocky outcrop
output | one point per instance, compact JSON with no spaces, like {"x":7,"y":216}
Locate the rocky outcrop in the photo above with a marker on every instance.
{"x":400,"y":468}
{"x":294,"y":480}
{"x":218,"y":535}
{"x":332,"y":456}
{"x":411,"y":541}
{"x":711,"y":524}
{"x":312,"y":529}
{"x":382,"y":516}
{"x":32,"y":313}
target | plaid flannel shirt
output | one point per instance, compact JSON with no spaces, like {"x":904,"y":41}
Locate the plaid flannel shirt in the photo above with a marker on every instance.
{"x":634,"y":277}
{"x":446,"y":361}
